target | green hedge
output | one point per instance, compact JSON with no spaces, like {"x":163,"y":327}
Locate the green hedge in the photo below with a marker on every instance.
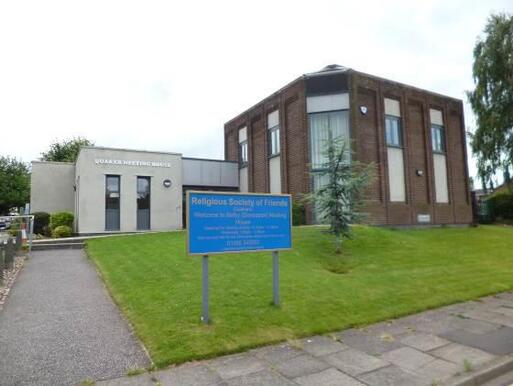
{"x":501,"y":205}
{"x":62,"y":231}
{"x":298,"y":212}
{"x":41,"y":222}
{"x":61,"y":218}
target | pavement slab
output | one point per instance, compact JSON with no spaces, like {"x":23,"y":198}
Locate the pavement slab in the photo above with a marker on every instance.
{"x":354,"y":362}
{"x":423,"y":341}
{"x":367,"y":342}
{"x":236,"y":365}
{"x":322,"y":345}
{"x":59,"y":325}
{"x":277,"y":353}
{"x":394,"y":376}
{"x":459,"y":354}
{"x":301,"y":365}
{"x":497,"y":342}
{"x":328,"y":377}
{"x":438,"y":370}
{"x":262,"y":378}
{"x":188,"y":376}
{"x":408,"y":358}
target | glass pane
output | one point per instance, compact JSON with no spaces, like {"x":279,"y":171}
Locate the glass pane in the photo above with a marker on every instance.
{"x":112,"y":192}
{"x":143,"y":193}
{"x":393,"y":131}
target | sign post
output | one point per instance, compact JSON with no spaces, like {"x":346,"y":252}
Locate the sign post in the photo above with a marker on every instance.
{"x":276,"y":278}
{"x":204,"y":290}
{"x":235,"y":223}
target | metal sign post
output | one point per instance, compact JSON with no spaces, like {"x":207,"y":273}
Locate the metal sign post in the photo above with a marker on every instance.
{"x":276,"y":278}
{"x":204,"y":290}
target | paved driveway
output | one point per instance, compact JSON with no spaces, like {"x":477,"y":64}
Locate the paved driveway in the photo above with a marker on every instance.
{"x":59,"y":326}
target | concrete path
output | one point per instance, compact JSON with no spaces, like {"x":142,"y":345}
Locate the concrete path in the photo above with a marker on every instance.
{"x":59,"y":326}
{"x":463,"y":344}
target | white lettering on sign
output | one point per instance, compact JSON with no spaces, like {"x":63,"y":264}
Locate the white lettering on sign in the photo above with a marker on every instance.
{"x":124,"y":162}
{"x":423,"y":218}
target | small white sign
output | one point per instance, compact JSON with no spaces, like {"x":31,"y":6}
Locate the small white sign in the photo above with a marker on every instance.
{"x":424,"y":218}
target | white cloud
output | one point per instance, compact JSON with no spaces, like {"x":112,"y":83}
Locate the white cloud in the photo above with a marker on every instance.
{"x":166,"y":75}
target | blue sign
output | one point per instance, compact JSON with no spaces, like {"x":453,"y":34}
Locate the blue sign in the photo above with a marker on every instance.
{"x":237,"y":222}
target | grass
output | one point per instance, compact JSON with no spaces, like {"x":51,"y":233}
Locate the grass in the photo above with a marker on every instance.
{"x":381,"y":274}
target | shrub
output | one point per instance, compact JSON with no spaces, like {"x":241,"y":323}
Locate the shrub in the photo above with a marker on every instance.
{"x":41,"y":220}
{"x":61,"y":218}
{"x":47,"y":231}
{"x":501,"y":205}
{"x":61,"y":231}
{"x":298,"y":212}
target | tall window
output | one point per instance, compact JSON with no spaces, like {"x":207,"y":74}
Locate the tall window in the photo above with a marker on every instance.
{"x":274,"y":140}
{"x":243,"y":154}
{"x":395,"y":156}
{"x":112,"y":197}
{"x":143,"y":202}
{"x":393,"y":131}
{"x":439,"y":158}
{"x":438,"y":138}
{"x":325,"y":127}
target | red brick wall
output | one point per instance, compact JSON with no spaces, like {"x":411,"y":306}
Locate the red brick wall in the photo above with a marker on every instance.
{"x":369,"y":146}
{"x":420,"y":190}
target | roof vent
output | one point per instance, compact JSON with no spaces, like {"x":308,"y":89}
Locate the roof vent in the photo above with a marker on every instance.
{"x":333,"y":67}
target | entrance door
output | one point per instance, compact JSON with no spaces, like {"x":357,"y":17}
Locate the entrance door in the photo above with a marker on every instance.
{"x":112,"y":203}
{"x":143,"y":203}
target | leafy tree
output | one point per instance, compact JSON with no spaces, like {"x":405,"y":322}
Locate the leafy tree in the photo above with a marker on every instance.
{"x":339,"y":201}
{"x":492,"y":98}
{"x":14,"y":184}
{"x":66,"y":150}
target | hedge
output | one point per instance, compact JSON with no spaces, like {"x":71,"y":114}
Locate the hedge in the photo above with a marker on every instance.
{"x":62,"y":231}
{"x":41,"y":222}
{"x":61,"y":218}
{"x":501,"y":205}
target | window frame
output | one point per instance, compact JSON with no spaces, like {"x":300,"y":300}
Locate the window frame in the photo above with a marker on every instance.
{"x":312,"y":169}
{"x":400,"y":145}
{"x":270,"y":135}
{"x":441,"y":130}
{"x":243,"y":151}
{"x":107,"y":192}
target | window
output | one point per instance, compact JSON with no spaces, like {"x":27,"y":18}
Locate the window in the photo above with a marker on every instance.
{"x":325,"y":127}
{"x":112,"y":198}
{"x":274,"y":140}
{"x":393,"y":131}
{"x":438,"y":138}
{"x":143,"y":202}
{"x":243,"y":154}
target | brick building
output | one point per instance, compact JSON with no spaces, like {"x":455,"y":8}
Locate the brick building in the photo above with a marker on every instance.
{"x":415,"y":137}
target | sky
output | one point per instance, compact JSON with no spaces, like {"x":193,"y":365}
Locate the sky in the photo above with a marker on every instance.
{"x":167,"y":75}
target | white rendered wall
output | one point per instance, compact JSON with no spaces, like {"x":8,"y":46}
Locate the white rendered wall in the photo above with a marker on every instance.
{"x":165,"y":204}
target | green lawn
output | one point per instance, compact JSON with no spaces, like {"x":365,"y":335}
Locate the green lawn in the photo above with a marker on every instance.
{"x":388,"y":273}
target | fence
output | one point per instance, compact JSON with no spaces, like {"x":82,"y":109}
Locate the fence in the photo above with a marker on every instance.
{"x":16,"y":233}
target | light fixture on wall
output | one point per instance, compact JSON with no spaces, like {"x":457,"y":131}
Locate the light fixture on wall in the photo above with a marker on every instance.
{"x":167,"y":183}
{"x":419,"y":172}
{"x":363,"y":110}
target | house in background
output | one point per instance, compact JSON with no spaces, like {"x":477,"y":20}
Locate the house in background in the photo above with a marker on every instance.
{"x":415,"y":137}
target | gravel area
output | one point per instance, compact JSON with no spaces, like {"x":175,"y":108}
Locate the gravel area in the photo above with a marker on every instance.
{"x":59,"y":325}
{"x":9,"y":276}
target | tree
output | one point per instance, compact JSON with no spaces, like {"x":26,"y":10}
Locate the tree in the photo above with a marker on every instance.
{"x":339,"y":201}
{"x":492,"y":98}
{"x":66,"y":150}
{"x":14,"y":184}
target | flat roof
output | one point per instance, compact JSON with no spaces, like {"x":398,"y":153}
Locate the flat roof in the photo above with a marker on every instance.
{"x":129,"y":150}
